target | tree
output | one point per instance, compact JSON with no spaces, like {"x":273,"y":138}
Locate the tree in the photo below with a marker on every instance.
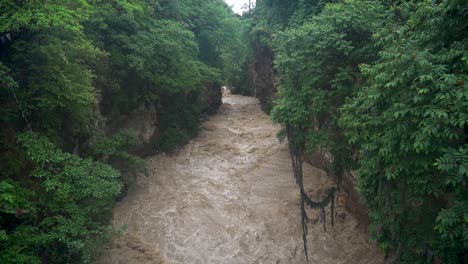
{"x":409,"y":123}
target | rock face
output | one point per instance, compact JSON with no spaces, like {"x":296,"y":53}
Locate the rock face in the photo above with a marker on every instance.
{"x":211,"y":98}
{"x":262,"y":78}
{"x":354,"y":203}
{"x":348,"y":196}
{"x":143,"y":122}
{"x":264,"y":88}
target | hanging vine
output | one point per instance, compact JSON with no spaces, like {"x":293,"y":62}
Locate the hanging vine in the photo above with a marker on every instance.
{"x":296,"y":152}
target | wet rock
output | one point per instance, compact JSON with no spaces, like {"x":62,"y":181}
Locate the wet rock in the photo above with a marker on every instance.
{"x":144,"y":122}
{"x":211,"y":98}
{"x":264,"y":86}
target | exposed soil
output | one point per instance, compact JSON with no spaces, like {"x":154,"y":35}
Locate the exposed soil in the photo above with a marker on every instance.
{"x":229,"y":197}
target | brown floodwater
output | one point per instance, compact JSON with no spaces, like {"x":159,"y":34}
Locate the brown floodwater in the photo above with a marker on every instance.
{"x":229,"y":197}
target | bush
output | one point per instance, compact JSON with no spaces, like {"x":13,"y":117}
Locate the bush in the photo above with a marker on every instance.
{"x":65,"y":218}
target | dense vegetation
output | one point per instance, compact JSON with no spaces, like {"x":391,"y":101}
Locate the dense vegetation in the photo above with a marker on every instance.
{"x":382,"y":86}
{"x":69,"y":71}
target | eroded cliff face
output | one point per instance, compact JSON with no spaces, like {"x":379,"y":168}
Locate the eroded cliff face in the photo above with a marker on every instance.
{"x":144,"y":120}
{"x":211,"y":98}
{"x":262,"y":77}
{"x":347,"y":195}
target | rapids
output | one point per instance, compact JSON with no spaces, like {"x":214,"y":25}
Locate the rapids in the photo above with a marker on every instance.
{"x":229,"y":197}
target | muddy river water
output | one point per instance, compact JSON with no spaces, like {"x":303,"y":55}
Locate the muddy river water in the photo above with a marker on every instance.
{"x":229,"y":197}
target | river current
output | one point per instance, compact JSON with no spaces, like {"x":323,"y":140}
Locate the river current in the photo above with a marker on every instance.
{"x":229,"y":196}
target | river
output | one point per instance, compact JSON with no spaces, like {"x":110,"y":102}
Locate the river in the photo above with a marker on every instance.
{"x":229,"y":197}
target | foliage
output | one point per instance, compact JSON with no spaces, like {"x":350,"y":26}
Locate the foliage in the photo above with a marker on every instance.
{"x":409,"y":122}
{"x":119,"y":150}
{"x":116,"y":151}
{"x":166,"y":59}
{"x":40,"y":14}
{"x":55,"y":80}
{"x":219,"y":34}
{"x":318,"y":68}
{"x":7,"y":84}
{"x":64,"y":218}
{"x":381,"y":85}
{"x":181,"y":119}
{"x":72,"y":71}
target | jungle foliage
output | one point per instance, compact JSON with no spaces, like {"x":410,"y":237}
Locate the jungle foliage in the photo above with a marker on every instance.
{"x":382,"y":86}
{"x":68,"y":70}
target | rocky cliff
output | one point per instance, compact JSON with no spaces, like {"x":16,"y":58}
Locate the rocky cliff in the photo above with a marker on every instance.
{"x":144,"y":120}
{"x":262,"y":79}
{"x":211,"y":98}
{"x":347,"y":195}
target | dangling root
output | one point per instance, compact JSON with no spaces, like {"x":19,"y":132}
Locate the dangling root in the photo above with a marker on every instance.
{"x":296,"y":154}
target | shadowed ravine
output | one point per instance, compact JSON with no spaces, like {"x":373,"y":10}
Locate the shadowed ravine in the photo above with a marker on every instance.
{"x":229,"y":197}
